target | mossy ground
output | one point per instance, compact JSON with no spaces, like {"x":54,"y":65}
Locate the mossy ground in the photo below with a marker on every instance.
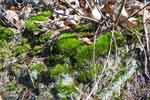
{"x":67,"y":63}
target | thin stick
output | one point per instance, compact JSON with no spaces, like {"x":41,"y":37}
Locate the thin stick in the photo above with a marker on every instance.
{"x":147,"y":39}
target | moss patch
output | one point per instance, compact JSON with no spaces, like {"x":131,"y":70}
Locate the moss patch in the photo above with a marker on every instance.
{"x":5,"y":33}
{"x":68,"y":44}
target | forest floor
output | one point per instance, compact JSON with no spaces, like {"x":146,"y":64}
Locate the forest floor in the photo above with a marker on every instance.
{"x":74,"y":50}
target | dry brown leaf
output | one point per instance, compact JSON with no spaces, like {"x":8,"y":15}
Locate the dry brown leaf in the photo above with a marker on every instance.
{"x":130,"y":23}
{"x":108,"y":8}
{"x":13,"y":19}
{"x":123,"y":18}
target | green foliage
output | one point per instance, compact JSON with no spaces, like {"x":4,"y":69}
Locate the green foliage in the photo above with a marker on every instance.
{"x":59,"y":70}
{"x":45,"y":37}
{"x":102,"y":44}
{"x":87,"y":75}
{"x":119,"y":39}
{"x":85,"y":28}
{"x":39,"y":67}
{"x":5,"y":33}
{"x":37,"y":49}
{"x":42,"y":16}
{"x":32,"y":23}
{"x":68,"y":44}
{"x":85,"y":53}
{"x":5,"y":51}
{"x":22,"y":48}
{"x":56,"y":59}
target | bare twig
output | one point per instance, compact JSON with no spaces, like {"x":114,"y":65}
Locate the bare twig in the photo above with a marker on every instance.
{"x":147,"y":39}
{"x":93,"y":62}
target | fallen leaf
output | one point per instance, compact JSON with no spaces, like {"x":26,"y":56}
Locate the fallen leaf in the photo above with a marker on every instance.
{"x":12,"y":19}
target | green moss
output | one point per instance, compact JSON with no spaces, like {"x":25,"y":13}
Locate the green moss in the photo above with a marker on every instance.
{"x":31,"y":23}
{"x":39,"y":18}
{"x":37,"y":49}
{"x":39,"y":67}
{"x":3,"y":43}
{"x":88,"y":74}
{"x":68,"y":44}
{"x":102,"y":44}
{"x":120,"y":39}
{"x":22,"y":48}
{"x":5,"y":51}
{"x":85,"y":52}
{"x":56,"y":59}
{"x":5,"y":33}
{"x":45,"y":37}
{"x":59,"y":70}
{"x":47,"y":13}
{"x":66,"y":87}
{"x":85,"y":28}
